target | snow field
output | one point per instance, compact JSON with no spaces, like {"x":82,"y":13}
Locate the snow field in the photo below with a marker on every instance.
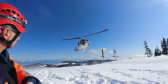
{"x":153,"y":70}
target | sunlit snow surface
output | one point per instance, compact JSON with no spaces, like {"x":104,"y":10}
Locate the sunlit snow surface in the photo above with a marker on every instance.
{"x":153,"y":70}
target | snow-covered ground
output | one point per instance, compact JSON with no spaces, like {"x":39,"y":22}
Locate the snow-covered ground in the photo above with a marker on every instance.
{"x":153,"y":70}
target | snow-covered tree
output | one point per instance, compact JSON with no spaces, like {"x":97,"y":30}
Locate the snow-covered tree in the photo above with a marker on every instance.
{"x":146,"y":49}
{"x":150,"y":53}
{"x":157,"y":52}
{"x":164,"y":46}
{"x":167,"y":46}
{"x":102,"y":55}
{"x":114,"y":55}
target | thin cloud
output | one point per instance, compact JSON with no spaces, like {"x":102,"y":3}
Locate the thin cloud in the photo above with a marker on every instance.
{"x":110,"y":51}
{"x":99,"y":52}
{"x":21,"y":60}
{"x":31,"y":60}
{"x":90,"y":55}
{"x":154,"y":3}
{"x":44,"y":11}
{"x":25,"y":60}
{"x":81,"y":57}
{"x":95,"y":51}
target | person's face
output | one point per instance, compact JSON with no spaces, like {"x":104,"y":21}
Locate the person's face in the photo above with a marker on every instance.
{"x":12,"y":36}
{"x":9,"y":35}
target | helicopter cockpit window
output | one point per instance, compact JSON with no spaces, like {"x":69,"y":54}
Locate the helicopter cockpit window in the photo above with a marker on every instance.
{"x":83,"y":40}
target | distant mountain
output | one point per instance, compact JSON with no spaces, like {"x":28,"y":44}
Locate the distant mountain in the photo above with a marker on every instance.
{"x":66,"y":64}
{"x":25,"y":63}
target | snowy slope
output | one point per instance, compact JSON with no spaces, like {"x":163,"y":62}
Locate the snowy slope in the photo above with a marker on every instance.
{"x":153,"y":70}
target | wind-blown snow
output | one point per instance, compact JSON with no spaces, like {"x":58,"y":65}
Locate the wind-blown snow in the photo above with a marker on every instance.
{"x":153,"y":70}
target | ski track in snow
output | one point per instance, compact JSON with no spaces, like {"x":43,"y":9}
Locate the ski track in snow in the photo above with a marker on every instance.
{"x":103,"y":74}
{"x":83,"y":76}
{"x":78,"y":77}
{"x":126,"y":73}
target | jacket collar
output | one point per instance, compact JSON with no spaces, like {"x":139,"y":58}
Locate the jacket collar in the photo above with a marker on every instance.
{"x":3,"y":56}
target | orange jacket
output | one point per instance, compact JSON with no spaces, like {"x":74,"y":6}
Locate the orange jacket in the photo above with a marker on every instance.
{"x":13,"y":73}
{"x":21,"y":73}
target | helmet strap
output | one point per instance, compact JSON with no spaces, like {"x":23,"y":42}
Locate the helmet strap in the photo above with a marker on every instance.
{"x":9,"y":43}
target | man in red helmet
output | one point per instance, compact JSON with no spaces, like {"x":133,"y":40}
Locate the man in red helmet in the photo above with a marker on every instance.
{"x":12,"y":24}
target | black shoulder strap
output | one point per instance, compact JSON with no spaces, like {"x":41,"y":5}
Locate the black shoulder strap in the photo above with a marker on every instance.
{"x":4,"y":75}
{"x":12,"y":72}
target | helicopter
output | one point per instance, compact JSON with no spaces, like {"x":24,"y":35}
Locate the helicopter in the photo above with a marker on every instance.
{"x":83,"y":43}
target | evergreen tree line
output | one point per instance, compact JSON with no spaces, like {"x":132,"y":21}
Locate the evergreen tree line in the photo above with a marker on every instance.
{"x":158,"y":52}
{"x":164,"y":47}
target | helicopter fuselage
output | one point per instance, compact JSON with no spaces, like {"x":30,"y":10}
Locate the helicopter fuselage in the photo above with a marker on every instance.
{"x":83,"y":46}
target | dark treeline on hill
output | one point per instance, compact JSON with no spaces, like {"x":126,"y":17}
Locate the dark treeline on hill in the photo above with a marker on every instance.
{"x":158,"y":52}
{"x":164,"y":47}
{"x":67,"y":64}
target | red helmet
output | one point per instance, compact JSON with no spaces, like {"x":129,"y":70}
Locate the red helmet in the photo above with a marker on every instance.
{"x":10,"y":15}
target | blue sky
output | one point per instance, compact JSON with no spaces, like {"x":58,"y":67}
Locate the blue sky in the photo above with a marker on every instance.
{"x":131,"y":22}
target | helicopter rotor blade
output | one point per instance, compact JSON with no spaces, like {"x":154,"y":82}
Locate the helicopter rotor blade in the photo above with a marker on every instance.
{"x":96,"y":33}
{"x":72,"y":38}
{"x":85,"y":36}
